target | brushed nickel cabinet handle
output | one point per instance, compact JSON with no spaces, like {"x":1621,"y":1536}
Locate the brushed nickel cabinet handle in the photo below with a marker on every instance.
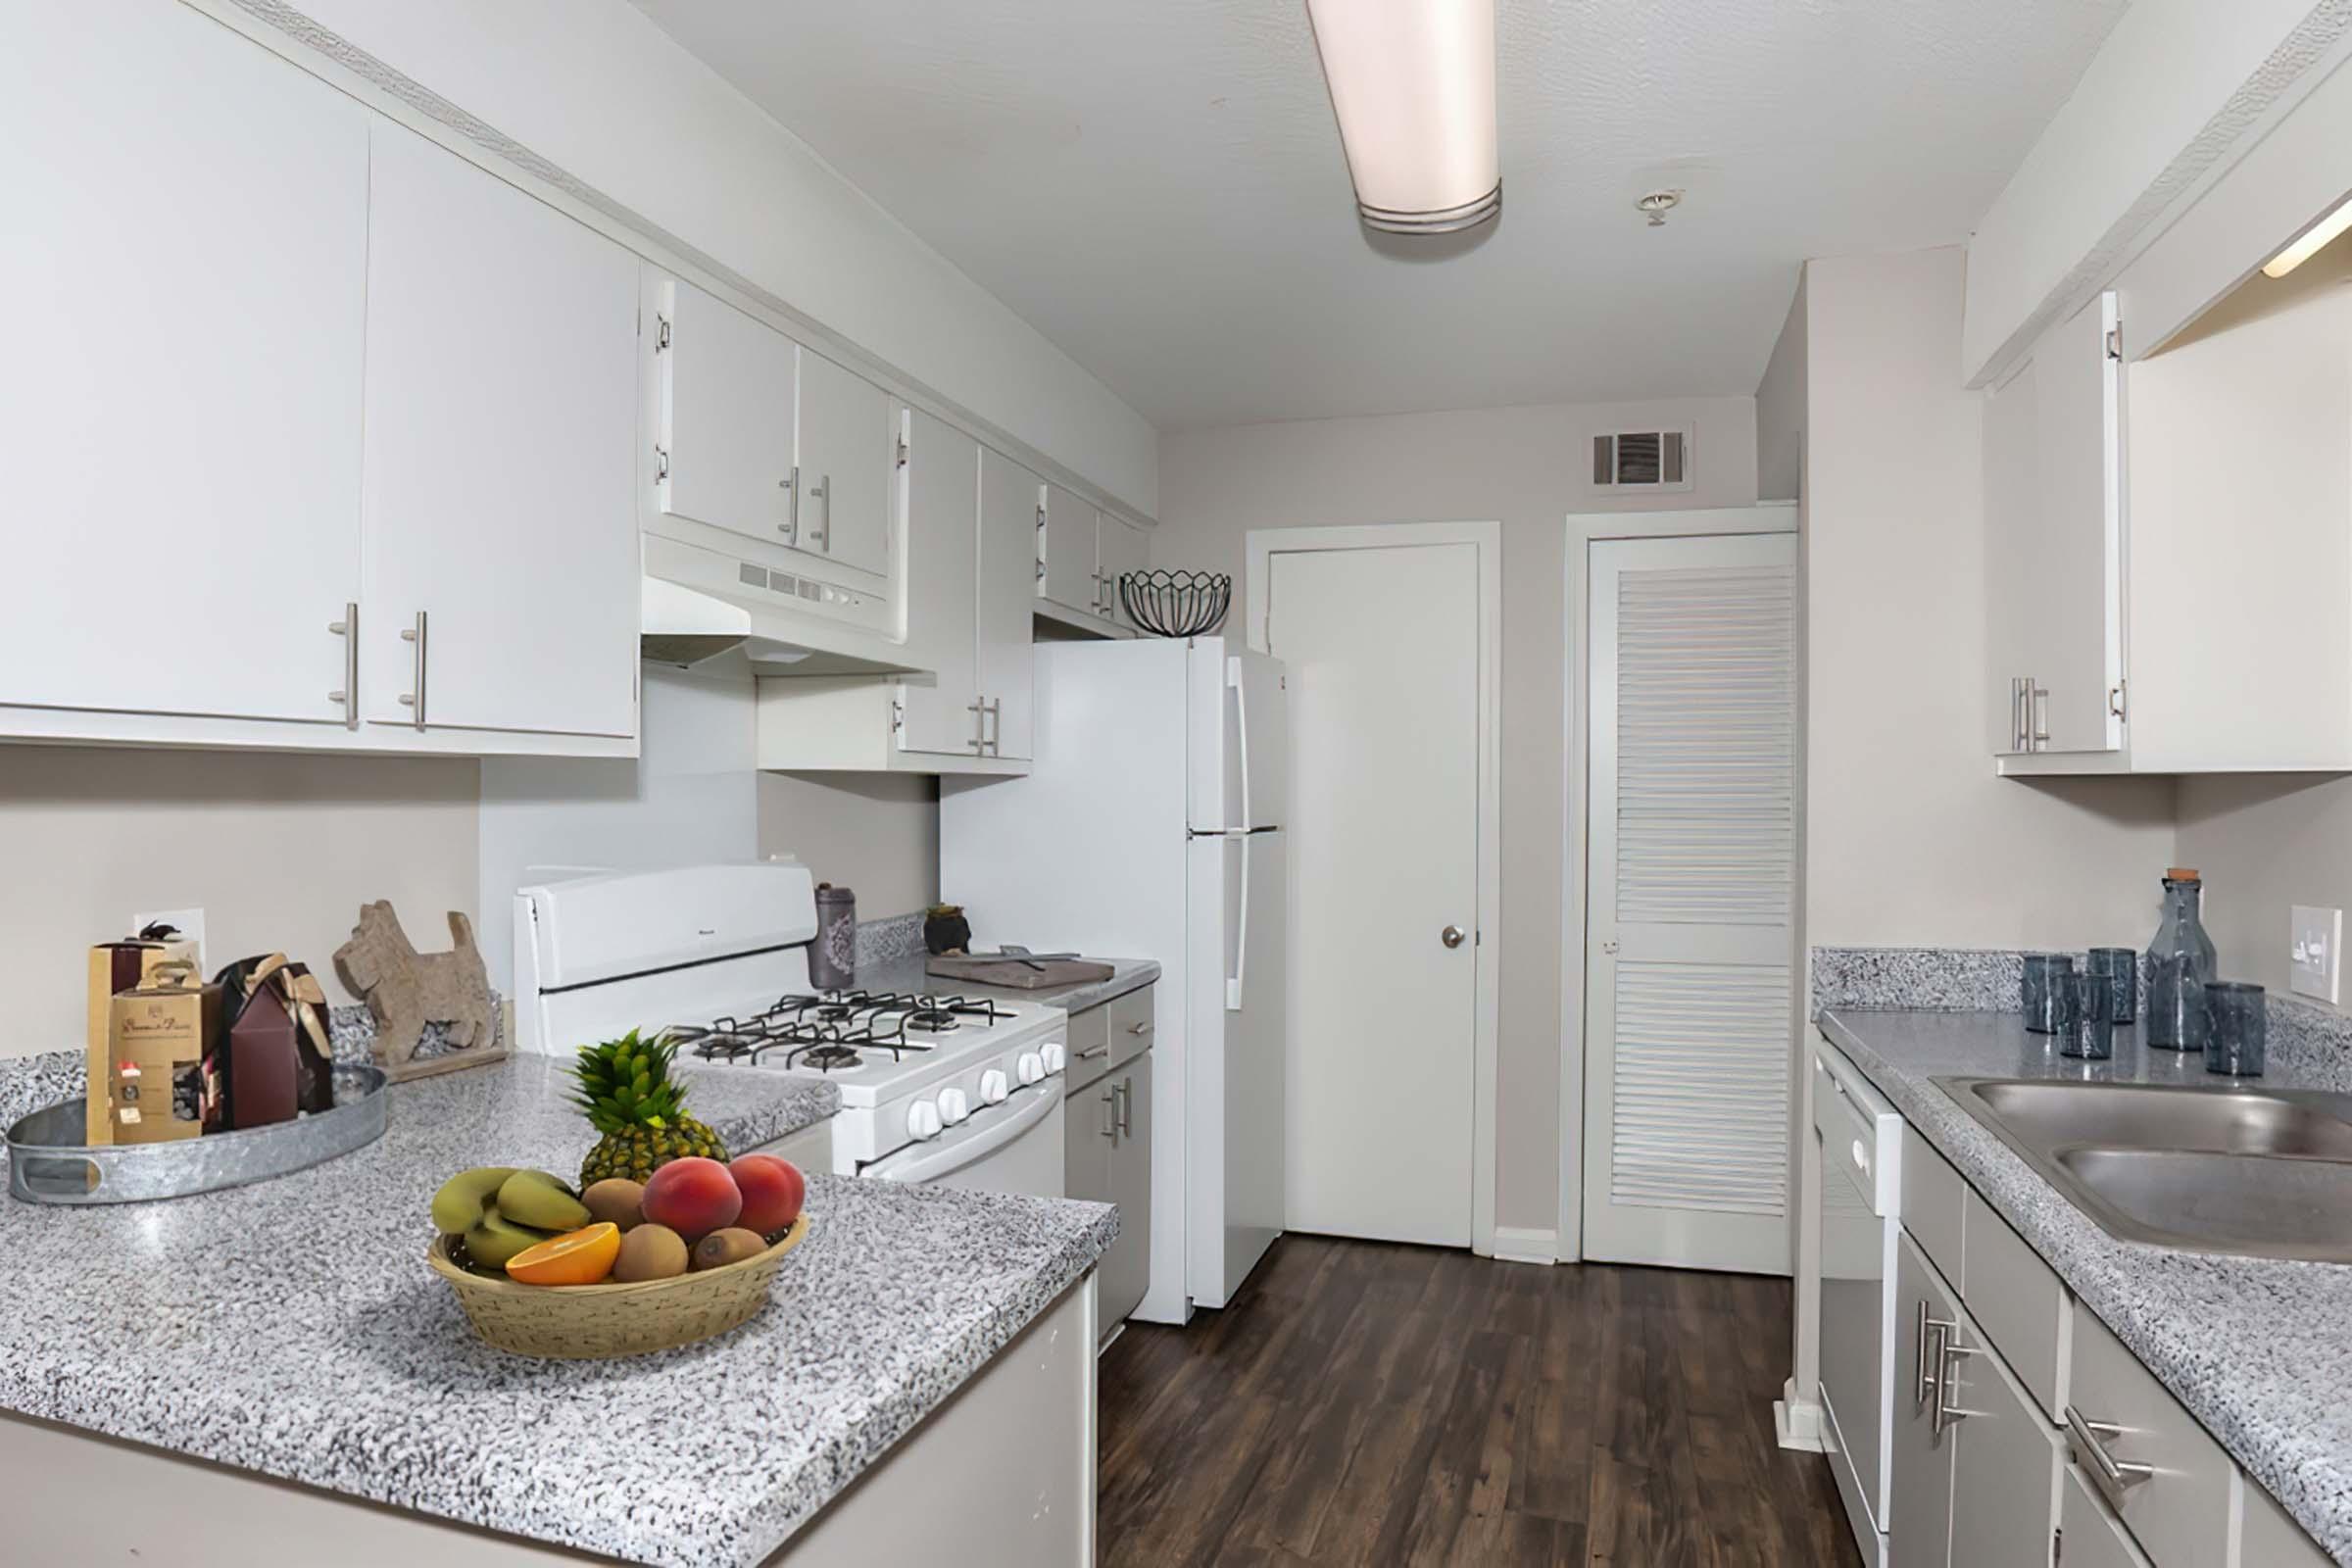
{"x":413,"y":700}
{"x":790,"y":528}
{"x":1947,"y":1414}
{"x":1103,"y":1050}
{"x":1142,"y":1028}
{"x":1126,"y":1108}
{"x":1110,"y":1116}
{"x":824,"y":493}
{"x":348,"y":628}
{"x":2113,"y":1476}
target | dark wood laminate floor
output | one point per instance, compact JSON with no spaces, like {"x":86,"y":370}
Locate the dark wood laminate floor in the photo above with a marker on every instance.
{"x":1363,"y":1404}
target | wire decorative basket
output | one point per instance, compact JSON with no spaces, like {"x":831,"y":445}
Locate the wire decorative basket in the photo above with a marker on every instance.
{"x":1176,"y":603}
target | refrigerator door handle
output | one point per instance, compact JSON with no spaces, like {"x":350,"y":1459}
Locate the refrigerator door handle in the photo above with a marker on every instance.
{"x":1241,"y":946}
{"x":1240,"y":714}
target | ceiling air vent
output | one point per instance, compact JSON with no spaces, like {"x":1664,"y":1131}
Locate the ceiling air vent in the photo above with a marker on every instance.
{"x":1642,"y":460}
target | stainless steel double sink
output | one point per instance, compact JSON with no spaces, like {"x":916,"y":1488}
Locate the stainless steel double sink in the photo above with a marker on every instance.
{"x":2260,"y":1173}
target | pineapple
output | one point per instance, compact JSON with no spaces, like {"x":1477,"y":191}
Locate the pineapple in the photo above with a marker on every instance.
{"x":625,"y":1089}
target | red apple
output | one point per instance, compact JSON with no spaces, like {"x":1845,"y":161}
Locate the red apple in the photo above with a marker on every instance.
{"x":693,"y":1196}
{"x":773,"y":1190}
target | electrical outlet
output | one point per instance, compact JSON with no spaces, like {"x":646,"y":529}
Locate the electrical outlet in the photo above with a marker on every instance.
{"x":2316,"y":960}
{"x":188,"y":922}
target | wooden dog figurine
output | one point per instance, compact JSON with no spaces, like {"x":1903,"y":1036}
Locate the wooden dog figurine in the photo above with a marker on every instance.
{"x":405,"y":990}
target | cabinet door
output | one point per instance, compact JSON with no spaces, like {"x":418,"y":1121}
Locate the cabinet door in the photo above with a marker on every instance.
{"x":728,"y":385}
{"x":1066,"y":545}
{"x":2005,"y":1463}
{"x":848,"y":455}
{"x":1919,"y":1512}
{"x":942,"y":542}
{"x":500,"y":458}
{"x":1087,"y":1131}
{"x":2053,"y":541}
{"x":1122,"y":549}
{"x":185,"y":241}
{"x":2091,"y":1537}
{"x":1008,"y":581}
{"x":1127,"y":1267}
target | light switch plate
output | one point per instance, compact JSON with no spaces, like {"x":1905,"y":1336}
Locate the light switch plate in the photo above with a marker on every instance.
{"x":2315,"y":955}
{"x":188,"y":922}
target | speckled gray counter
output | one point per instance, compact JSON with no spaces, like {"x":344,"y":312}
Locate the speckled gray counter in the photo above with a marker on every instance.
{"x":908,"y":975}
{"x":293,"y":1329}
{"x":2260,"y":1350}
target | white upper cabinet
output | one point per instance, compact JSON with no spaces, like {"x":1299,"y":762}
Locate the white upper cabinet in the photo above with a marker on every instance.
{"x":1069,"y":573}
{"x":2053,"y":543}
{"x":848,"y":454}
{"x":1007,"y":578}
{"x":728,"y":393}
{"x":501,"y":573}
{"x":1121,"y":548}
{"x":185,"y":241}
{"x":941,"y":714}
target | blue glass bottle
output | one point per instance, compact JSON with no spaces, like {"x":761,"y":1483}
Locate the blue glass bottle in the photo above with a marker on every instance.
{"x":2181,"y":963}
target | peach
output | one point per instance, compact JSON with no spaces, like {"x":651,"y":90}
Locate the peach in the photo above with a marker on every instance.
{"x":693,"y":1196}
{"x":773,"y":1190}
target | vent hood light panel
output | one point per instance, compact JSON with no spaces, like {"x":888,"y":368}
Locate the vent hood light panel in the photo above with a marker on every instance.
{"x":1412,"y":85}
{"x":699,"y":607}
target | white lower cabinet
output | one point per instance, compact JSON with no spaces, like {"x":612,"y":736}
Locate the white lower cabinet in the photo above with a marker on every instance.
{"x":1106,"y":1155}
{"x":2176,"y":1503}
{"x":1919,"y":1512}
{"x":2005,"y":1465}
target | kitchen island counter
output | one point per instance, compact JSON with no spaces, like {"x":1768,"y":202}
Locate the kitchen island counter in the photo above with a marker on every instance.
{"x":292,"y":1329}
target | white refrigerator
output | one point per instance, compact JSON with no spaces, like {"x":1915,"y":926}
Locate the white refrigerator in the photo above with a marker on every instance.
{"x":1150,"y":826}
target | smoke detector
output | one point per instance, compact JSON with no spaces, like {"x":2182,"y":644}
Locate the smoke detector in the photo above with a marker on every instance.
{"x":1657,"y":204}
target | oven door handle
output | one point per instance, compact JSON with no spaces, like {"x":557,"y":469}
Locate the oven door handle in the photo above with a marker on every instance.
{"x":926,"y":1162}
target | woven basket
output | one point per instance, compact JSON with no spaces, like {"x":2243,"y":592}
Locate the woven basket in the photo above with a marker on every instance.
{"x":597,"y":1322}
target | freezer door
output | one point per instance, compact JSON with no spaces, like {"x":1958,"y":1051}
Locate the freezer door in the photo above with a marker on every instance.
{"x":1240,"y":732}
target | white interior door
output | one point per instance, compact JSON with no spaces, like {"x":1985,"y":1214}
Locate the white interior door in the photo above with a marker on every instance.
{"x":1690,"y":890}
{"x":1381,"y":647}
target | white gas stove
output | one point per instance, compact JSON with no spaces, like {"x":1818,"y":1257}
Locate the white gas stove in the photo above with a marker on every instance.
{"x":934,"y":1086}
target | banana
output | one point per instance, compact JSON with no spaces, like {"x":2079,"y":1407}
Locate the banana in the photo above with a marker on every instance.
{"x":460,"y":1202}
{"x":535,"y":1199}
{"x":496,"y":1239}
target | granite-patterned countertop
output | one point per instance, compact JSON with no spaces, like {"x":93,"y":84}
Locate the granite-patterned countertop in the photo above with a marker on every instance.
{"x":909,"y":974}
{"x":2256,"y":1348}
{"x":292,"y":1328}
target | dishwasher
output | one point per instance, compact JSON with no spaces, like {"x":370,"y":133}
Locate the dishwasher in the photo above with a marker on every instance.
{"x":1860,"y":1140}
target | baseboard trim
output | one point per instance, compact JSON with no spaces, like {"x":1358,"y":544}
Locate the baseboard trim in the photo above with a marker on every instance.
{"x":1515,"y":1244}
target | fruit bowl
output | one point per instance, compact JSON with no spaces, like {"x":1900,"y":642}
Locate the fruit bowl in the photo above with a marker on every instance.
{"x":599,"y":1322}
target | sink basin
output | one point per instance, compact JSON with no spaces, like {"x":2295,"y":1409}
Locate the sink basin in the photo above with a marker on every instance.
{"x":2219,"y":1121}
{"x":2226,"y":1169}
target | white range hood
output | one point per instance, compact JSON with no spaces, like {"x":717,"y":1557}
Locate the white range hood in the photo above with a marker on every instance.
{"x":701,"y":606}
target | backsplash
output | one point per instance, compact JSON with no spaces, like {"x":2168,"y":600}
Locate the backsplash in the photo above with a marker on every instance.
{"x":889,"y":939}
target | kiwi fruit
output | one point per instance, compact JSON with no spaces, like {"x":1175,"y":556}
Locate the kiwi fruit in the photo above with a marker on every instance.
{"x":730,"y":1245}
{"x":648,"y":1252}
{"x":618,"y":1201}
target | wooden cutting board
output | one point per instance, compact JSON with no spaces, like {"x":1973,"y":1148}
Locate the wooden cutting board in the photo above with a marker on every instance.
{"x":1015,"y":975}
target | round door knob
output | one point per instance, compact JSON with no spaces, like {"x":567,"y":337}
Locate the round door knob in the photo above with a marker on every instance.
{"x":1055,"y":1055}
{"x":1451,"y":936}
{"x":954,"y":1105}
{"x":993,"y":1087}
{"x":922,"y":1120}
{"x":1031,"y":1069}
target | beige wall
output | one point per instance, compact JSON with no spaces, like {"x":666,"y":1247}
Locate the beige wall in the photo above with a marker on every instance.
{"x":1780,"y":407}
{"x":280,"y":851}
{"x":1911,"y":838}
{"x":877,"y":833}
{"x":2265,"y":842}
{"x":1529,"y":467}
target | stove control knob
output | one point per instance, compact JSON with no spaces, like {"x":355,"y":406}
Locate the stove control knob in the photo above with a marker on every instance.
{"x":1031,"y":1067}
{"x":954,"y":1107}
{"x":1056,"y":1056}
{"x":993,"y":1087}
{"x":922,"y":1120}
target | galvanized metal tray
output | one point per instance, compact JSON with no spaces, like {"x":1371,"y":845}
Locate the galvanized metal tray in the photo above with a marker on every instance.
{"x":49,"y":1163}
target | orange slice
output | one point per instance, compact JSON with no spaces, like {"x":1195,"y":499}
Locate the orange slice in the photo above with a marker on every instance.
{"x":575,"y":1257}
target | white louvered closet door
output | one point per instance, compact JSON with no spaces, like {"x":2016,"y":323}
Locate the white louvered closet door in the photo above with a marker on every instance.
{"x":1690,"y":894}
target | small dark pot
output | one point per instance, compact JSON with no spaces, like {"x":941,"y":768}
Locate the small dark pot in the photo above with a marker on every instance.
{"x":946,"y":930}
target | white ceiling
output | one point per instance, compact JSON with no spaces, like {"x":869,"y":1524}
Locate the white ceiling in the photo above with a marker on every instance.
{"x":1158,"y":186}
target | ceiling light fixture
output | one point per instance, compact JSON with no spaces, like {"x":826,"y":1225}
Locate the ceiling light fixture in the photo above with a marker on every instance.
{"x":1412,"y":84}
{"x":2312,"y":241}
{"x":1657,"y":204}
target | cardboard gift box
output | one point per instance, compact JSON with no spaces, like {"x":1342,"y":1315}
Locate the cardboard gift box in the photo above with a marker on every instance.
{"x":116,"y":967}
{"x":270,"y":1060}
{"x":157,"y":1036}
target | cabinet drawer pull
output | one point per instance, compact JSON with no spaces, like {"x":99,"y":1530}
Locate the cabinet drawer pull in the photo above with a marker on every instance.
{"x":1142,"y":1028}
{"x":1103,"y":1050}
{"x":2112,"y":1476}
